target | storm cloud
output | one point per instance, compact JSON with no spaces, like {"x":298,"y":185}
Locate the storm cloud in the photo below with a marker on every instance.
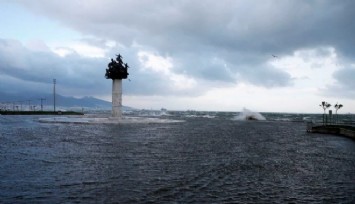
{"x":208,"y":43}
{"x":345,"y":84}
{"x":73,"y":72}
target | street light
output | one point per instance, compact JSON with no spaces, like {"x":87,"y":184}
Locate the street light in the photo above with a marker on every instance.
{"x":54,"y":82}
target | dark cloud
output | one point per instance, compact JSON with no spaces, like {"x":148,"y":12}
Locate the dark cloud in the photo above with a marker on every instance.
{"x":266,"y":76}
{"x":345,"y":84}
{"x":225,"y":41}
{"x":86,"y":75}
{"x":25,"y":70}
{"x":346,"y":77}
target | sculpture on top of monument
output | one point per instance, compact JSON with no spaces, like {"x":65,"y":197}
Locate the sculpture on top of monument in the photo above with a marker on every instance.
{"x":117,"y":69}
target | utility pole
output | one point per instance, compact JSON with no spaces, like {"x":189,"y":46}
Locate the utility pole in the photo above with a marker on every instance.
{"x":42,"y":99}
{"x":54,"y":82}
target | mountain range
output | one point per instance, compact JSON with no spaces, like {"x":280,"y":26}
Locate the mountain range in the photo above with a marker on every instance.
{"x":47,"y":100}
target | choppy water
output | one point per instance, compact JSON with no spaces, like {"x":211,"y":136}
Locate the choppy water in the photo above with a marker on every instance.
{"x":210,"y":158}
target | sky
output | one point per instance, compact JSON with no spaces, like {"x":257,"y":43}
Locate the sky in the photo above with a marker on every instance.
{"x":266,"y":56}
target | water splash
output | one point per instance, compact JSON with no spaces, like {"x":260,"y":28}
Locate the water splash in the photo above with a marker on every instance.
{"x":198,"y":114}
{"x":154,"y":113}
{"x":249,"y":115}
{"x":123,"y":120}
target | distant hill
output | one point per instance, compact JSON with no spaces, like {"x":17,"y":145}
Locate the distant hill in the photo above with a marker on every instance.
{"x":86,"y":102}
{"x":89,"y":102}
{"x":61,"y":101}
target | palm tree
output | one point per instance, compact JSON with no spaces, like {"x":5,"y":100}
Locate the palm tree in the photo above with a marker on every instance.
{"x":337,"y":107}
{"x":324,"y":105}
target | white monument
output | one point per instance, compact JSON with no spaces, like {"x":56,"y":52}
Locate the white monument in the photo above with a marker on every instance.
{"x":117,"y":98}
{"x":117,"y":70}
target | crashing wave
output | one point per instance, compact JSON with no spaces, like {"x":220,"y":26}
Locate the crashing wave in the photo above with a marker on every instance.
{"x":249,"y":115}
{"x":154,"y":113}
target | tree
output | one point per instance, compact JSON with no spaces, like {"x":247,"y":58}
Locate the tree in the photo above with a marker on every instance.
{"x":324,"y":105}
{"x":337,"y":107}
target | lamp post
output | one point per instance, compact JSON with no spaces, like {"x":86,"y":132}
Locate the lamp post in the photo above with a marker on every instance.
{"x":42,"y":99}
{"x":54,"y":82}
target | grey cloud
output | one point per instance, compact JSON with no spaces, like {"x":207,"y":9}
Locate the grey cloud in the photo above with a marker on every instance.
{"x":241,"y":35}
{"x":338,"y":91}
{"x":145,"y":82}
{"x":345,"y":79}
{"x":266,"y":76}
{"x":344,"y":86}
{"x":270,"y":26}
{"x":207,"y":66}
{"x":27,"y":66}
{"x":30,"y":71}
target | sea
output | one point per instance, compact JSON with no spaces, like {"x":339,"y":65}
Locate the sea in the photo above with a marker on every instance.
{"x":210,"y":157}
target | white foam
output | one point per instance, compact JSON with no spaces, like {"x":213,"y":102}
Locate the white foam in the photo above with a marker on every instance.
{"x":208,"y":116}
{"x":249,"y":115}
{"x":111,"y":120}
{"x":154,"y":113}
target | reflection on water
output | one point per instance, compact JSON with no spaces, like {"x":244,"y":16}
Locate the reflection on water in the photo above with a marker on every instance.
{"x":203,"y":160}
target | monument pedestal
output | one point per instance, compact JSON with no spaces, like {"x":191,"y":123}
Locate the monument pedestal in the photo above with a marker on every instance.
{"x":117,"y":98}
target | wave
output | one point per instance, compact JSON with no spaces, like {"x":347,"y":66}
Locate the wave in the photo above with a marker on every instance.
{"x":249,"y":115}
{"x":154,"y":113}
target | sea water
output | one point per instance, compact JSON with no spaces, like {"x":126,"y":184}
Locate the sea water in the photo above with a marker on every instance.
{"x":209,"y":158}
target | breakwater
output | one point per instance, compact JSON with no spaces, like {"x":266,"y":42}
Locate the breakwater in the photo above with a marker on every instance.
{"x":344,"y":130}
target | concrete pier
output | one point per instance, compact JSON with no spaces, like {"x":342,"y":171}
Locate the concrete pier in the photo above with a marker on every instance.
{"x":344,"y":130}
{"x":117,"y":98}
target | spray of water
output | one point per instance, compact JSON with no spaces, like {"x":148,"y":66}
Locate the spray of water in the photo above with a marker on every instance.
{"x":249,"y":115}
{"x":154,"y":113}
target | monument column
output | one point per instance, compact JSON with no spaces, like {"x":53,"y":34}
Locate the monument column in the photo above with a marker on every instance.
{"x":117,"y":70}
{"x":117,"y":98}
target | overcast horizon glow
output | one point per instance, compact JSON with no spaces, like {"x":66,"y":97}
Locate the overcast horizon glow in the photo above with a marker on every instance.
{"x":269,"y":56}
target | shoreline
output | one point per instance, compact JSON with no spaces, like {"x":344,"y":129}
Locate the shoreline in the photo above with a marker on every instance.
{"x":40,"y":113}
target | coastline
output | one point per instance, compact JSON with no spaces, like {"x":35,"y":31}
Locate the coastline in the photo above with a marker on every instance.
{"x":40,"y":113}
